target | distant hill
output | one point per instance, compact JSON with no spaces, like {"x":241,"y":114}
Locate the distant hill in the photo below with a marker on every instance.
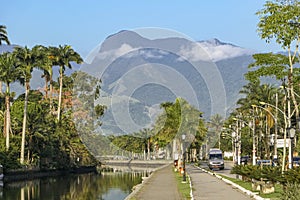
{"x":138,"y":74}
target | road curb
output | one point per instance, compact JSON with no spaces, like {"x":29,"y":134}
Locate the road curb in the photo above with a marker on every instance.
{"x":248,"y":192}
{"x":191,"y":187}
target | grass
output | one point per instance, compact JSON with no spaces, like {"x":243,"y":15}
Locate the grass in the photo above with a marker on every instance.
{"x":247,"y":185}
{"x":184,"y":188}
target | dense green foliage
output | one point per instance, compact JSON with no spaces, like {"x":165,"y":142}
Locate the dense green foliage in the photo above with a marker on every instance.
{"x":178,"y":118}
{"x":259,"y":123}
{"x":29,"y":122}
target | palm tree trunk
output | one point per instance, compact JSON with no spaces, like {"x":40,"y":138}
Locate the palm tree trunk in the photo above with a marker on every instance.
{"x":60,"y":93}
{"x":46,"y":87}
{"x":27,"y":87}
{"x":7,"y":120}
{"x":148,"y":148}
{"x":51,"y":93}
{"x":1,"y":87}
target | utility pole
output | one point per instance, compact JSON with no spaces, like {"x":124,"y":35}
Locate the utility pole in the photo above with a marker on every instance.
{"x":253,"y":141}
{"x":276,"y":128}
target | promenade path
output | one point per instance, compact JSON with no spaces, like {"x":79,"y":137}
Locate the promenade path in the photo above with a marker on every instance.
{"x":208,"y":187}
{"x":161,"y":185}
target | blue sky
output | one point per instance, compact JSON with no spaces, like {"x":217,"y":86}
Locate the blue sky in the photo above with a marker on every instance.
{"x":85,"y":24}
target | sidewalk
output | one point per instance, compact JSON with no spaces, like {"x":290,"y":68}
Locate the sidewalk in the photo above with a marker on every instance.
{"x":160,"y":185}
{"x":208,"y":187}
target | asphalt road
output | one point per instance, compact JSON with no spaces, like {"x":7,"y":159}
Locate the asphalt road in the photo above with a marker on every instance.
{"x":208,"y":187}
{"x":226,"y":171}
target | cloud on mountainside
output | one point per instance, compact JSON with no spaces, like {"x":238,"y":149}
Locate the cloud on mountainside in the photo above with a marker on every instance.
{"x":207,"y":51}
{"x":115,"y":53}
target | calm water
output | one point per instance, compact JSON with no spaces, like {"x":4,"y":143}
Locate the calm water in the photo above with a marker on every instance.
{"x":108,"y":186}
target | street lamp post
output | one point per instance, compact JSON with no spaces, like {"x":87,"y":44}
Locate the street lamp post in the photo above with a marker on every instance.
{"x":275,"y":120}
{"x":253,"y":143}
{"x":234,"y":144}
{"x":183,"y":152}
{"x":253,"y":146}
{"x":238,"y":143}
{"x":284,"y":134}
{"x":235,"y":148}
{"x":292,"y":133}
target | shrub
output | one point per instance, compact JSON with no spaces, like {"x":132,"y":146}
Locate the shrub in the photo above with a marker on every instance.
{"x":291,"y":192}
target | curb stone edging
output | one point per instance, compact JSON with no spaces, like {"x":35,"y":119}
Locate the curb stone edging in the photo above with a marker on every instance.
{"x":248,"y":192}
{"x":191,"y":187}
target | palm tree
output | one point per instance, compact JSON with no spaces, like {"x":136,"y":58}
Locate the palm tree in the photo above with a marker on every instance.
{"x":26,"y":61}
{"x":63,"y":56}
{"x":3,"y":35}
{"x":8,"y":74}
{"x":216,"y":123}
{"x":254,"y":93}
{"x":45,"y":59}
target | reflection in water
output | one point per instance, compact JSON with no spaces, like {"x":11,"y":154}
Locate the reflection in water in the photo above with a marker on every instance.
{"x":80,"y":187}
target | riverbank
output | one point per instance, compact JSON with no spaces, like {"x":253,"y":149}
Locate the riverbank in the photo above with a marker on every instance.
{"x":29,"y":174}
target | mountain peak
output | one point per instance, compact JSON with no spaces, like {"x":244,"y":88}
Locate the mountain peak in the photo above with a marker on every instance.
{"x":221,"y":50}
{"x":215,"y":42}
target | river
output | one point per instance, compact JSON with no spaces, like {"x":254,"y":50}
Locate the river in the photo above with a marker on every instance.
{"x":91,"y":186}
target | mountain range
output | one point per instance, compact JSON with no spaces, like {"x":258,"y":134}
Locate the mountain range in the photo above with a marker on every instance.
{"x":138,"y":74}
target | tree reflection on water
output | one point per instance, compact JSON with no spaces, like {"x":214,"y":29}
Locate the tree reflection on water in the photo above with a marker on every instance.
{"x":74,"y":186}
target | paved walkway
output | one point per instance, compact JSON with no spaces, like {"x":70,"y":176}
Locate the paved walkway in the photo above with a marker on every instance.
{"x":161,"y":185}
{"x":207,"y":187}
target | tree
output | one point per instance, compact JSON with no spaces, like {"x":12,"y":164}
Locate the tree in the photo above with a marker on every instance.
{"x":180,"y":118}
{"x":280,"y":20}
{"x":8,"y":74}
{"x":254,"y":93}
{"x":26,"y":61}
{"x":3,"y":35}
{"x":146,"y":133}
{"x":45,"y":63}
{"x":63,"y":56}
{"x":216,"y":123}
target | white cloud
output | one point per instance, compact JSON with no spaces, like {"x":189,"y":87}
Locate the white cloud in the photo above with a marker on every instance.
{"x":193,"y":52}
{"x":209,"y":52}
{"x":115,"y":53}
{"x":150,"y":54}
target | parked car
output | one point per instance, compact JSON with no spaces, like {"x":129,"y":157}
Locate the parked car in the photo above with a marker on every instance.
{"x":245,"y":160}
{"x":296,"y":161}
{"x":264,"y":162}
{"x":275,"y":162}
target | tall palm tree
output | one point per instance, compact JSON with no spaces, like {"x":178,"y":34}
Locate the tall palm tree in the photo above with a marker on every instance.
{"x":3,"y":35}
{"x":254,"y":93}
{"x":63,"y":56}
{"x":216,"y":123}
{"x":8,"y":74}
{"x":26,"y":61}
{"x":45,"y":59}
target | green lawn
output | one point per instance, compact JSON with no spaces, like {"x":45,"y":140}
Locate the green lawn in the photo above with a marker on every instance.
{"x":184,"y":188}
{"x":247,"y":185}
